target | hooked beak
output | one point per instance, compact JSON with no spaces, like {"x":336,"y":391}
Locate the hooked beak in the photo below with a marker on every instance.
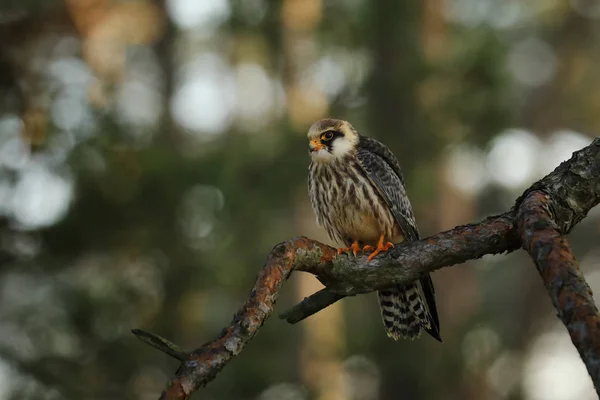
{"x":315,"y":145}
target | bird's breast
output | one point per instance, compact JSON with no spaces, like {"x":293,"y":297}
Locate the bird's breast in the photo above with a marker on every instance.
{"x":347,"y":204}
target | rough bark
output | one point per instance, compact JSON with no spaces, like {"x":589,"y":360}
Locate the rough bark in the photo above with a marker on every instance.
{"x":547,"y":211}
{"x":541,"y":216}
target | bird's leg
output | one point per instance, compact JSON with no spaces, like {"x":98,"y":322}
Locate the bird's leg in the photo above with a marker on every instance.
{"x":381,"y":246}
{"x":354,"y":247}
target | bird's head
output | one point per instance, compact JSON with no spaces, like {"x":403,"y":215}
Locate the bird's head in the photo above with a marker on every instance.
{"x":331,"y":139}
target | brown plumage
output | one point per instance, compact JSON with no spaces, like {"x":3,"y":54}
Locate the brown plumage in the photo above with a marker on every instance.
{"x":358,"y":195}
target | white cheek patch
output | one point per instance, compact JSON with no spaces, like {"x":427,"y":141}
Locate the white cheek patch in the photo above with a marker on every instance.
{"x":341,"y":147}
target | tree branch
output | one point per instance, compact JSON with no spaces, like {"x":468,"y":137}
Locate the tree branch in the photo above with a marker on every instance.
{"x":542,"y":219}
{"x":406,"y":262}
{"x":310,"y":305}
{"x":551,"y":207}
{"x":569,"y":292}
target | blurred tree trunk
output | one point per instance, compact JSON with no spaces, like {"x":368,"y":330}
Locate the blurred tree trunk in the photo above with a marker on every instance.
{"x":323,"y":336}
{"x":393,"y":38}
{"x":454,"y":207}
{"x":23,"y":88}
{"x":167,"y":58}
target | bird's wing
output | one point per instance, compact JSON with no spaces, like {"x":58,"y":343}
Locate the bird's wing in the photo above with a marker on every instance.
{"x":383,"y":170}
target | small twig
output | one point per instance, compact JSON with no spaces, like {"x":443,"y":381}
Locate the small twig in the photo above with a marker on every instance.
{"x":161,"y":344}
{"x":310,"y":305}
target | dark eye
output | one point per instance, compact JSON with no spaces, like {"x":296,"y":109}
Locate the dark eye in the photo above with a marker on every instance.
{"x":327,"y":136}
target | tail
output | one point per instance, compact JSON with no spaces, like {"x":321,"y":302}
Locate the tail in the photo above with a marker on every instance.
{"x":408,"y":310}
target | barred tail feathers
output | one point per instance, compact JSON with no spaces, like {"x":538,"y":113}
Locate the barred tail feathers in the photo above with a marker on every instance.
{"x":404,"y":312}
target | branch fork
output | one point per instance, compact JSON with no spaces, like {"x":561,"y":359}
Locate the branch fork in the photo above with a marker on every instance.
{"x":541,"y":217}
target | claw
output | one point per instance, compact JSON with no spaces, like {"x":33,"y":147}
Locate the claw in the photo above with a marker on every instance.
{"x":381,"y":247}
{"x":354,"y":247}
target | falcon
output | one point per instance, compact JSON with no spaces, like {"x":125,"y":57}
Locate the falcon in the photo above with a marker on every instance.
{"x":357,"y":193}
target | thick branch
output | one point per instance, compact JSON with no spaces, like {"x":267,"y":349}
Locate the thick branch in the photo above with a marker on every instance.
{"x":569,"y":193}
{"x":569,"y":292}
{"x":542,"y":219}
{"x":407,"y":261}
{"x":349,"y":276}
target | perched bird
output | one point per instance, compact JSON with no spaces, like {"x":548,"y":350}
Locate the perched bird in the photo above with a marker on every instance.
{"x":357,"y":192}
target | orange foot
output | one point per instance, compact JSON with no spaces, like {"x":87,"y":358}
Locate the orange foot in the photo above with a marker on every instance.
{"x":380,"y":247}
{"x":354,"y":247}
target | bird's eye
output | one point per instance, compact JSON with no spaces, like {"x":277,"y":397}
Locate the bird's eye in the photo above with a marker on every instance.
{"x":327,"y":136}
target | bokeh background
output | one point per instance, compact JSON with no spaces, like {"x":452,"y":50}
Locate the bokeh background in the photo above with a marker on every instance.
{"x":153,"y":152}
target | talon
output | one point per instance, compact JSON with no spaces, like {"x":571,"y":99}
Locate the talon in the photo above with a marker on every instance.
{"x":381,"y":247}
{"x":354,"y":247}
{"x":368,"y":248}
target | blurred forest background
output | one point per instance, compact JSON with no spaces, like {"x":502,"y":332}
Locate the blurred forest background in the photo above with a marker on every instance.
{"x":153,"y":152}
